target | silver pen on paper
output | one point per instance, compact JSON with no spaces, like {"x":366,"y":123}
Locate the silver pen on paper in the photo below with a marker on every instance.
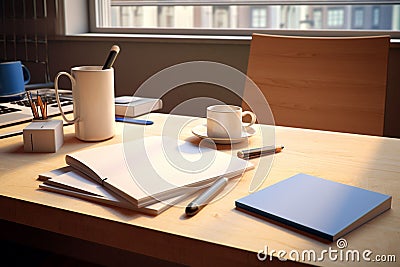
{"x":203,"y":199}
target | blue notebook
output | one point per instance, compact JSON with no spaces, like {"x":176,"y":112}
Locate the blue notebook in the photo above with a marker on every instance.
{"x":317,"y":206}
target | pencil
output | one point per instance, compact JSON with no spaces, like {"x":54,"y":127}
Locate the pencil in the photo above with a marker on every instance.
{"x":45,"y":110}
{"x":41,"y":105}
{"x":32,"y":104}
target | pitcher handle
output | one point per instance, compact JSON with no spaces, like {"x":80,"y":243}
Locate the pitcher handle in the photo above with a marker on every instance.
{"x":58,"y":97}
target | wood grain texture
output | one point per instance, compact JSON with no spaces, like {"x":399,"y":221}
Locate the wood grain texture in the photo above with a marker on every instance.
{"x":219,"y":234}
{"x":336,"y":84}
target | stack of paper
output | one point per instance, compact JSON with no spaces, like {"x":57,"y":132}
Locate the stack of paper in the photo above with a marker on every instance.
{"x":133,"y":106}
{"x":148,"y":175}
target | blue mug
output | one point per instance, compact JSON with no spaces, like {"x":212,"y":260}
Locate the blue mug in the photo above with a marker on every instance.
{"x":13,"y":77}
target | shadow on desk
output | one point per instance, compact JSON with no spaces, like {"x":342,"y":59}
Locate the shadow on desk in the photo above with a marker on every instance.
{"x":14,"y":254}
{"x":26,"y":246}
{"x":70,"y":145}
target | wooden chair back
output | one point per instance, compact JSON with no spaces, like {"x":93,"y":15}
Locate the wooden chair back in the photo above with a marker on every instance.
{"x":336,"y":84}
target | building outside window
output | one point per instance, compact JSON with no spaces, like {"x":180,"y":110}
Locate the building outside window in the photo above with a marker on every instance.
{"x":221,"y":17}
{"x":166,"y":16}
{"x":234,"y":16}
{"x":127,"y":16}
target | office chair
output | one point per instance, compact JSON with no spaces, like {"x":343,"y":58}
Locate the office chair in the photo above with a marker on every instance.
{"x":333,"y":83}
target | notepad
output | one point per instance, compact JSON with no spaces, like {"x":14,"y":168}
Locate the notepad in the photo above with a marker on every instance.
{"x":74,"y":183}
{"x":317,"y":206}
{"x":155,"y":168}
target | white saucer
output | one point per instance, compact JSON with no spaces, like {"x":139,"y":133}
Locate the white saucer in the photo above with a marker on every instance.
{"x":201,"y":131}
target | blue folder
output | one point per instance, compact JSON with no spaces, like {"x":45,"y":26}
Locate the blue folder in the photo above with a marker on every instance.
{"x":317,"y":206}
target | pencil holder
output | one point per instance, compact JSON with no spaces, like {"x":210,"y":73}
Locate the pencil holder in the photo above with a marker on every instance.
{"x":43,"y":136}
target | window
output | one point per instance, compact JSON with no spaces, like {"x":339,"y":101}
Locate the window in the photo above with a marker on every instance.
{"x":375,"y":17}
{"x":221,"y":17}
{"x":358,"y":18}
{"x":317,"y":17}
{"x":166,"y":16}
{"x":131,"y":16}
{"x":335,"y":17}
{"x":241,"y":17}
{"x":258,"y":17}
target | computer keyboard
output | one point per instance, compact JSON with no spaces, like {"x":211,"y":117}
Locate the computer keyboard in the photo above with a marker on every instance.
{"x":5,"y":110}
{"x":15,"y":112}
{"x":51,"y":101}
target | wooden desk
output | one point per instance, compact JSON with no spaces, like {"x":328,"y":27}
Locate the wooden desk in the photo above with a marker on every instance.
{"x":219,"y":234}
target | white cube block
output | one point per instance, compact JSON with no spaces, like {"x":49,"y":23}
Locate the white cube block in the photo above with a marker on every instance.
{"x":43,"y":136}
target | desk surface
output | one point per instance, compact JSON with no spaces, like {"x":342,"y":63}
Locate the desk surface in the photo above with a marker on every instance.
{"x":219,"y":234}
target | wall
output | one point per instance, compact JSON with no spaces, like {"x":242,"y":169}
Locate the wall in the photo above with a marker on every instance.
{"x":142,"y":58}
{"x":139,"y":60}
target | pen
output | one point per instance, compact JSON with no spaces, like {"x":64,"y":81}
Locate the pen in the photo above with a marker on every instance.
{"x":30,"y":103}
{"x":198,"y":203}
{"x":111,"y":57}
{"x":259,"y":152}
{"x":134,"y":121}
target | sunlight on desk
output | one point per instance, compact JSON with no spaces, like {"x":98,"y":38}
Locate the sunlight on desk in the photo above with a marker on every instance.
{"x":219,"y":233}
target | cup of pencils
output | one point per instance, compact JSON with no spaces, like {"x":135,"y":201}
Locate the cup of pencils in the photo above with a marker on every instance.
{"x":38,"y":107}
{"x":42,"y":135}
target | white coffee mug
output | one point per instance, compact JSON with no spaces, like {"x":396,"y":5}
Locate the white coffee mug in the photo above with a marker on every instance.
{"x":225,"y":121}
{"x":93,"y":98}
